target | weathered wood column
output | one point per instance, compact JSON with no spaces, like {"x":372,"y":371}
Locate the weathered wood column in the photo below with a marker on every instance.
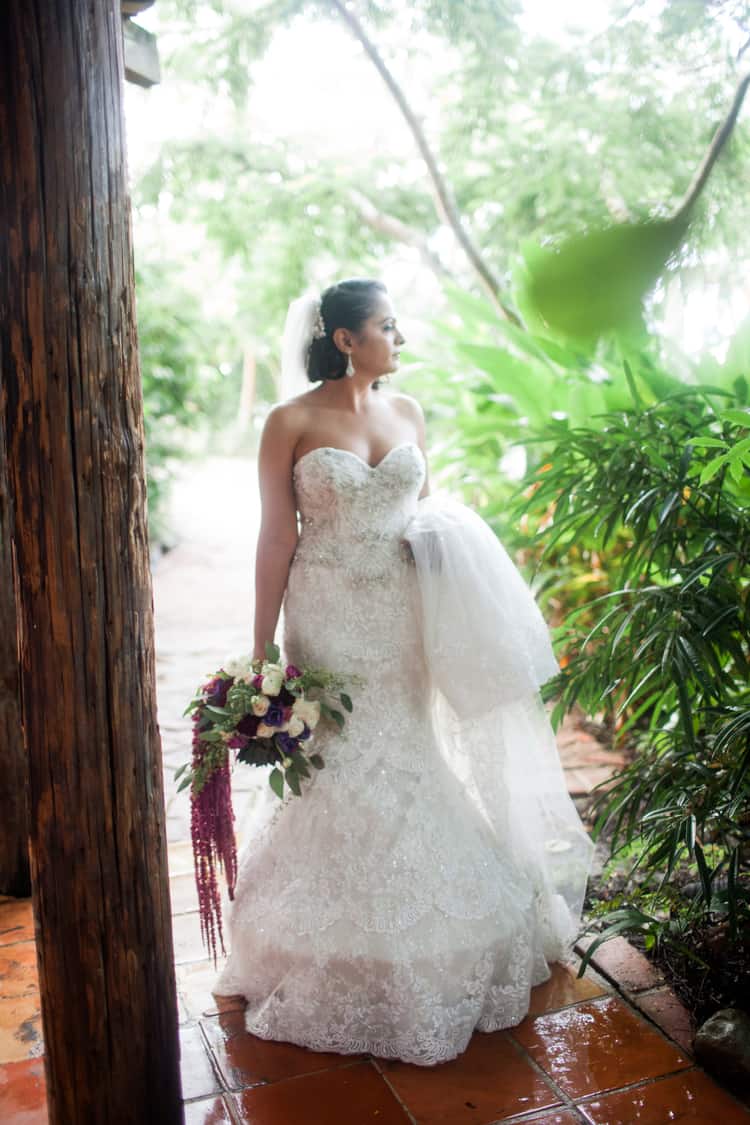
{"x":15,"y":877}
{"x":72,"y":416}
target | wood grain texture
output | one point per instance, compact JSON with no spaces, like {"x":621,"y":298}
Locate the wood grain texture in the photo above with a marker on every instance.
{"x":72,"y":415}
{"x":15,"y":878}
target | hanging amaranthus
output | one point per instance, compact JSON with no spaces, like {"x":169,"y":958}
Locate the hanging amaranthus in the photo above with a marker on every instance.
{"x":212,"y":825}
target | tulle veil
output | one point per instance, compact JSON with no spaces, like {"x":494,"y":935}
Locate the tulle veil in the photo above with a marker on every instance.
{"x":489,"y":652}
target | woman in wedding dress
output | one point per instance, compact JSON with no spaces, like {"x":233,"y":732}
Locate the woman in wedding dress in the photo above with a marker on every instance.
{"x":424,"y":880}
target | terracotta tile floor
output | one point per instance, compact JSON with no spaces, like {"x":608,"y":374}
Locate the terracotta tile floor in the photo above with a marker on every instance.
{"x":583,"y":1054}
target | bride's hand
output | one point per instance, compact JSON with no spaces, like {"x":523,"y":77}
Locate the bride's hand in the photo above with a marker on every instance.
{"x":406,"y":552}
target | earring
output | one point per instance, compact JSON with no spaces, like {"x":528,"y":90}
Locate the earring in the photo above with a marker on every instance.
{"x":349,"y":365}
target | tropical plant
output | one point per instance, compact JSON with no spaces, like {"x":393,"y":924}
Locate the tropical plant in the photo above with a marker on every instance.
{"x":668,"y":652}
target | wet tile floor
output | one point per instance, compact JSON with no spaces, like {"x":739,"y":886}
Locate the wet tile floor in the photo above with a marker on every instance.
{"x":583,"y":1054}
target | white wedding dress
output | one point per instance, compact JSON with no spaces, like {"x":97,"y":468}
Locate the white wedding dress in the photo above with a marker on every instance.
{"x":388,"y":909}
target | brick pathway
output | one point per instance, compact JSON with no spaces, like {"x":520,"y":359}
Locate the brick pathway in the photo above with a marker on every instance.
{"x":585,"y":1053}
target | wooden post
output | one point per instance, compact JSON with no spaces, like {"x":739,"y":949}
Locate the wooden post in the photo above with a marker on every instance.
{"x":73,"y":423}
{"x":15,"y":878}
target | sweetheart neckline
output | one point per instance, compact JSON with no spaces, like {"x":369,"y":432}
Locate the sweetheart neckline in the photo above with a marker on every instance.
{"x":351,"y":453}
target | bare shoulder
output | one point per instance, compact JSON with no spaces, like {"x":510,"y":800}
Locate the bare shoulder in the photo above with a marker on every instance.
{"x":408,"y":406}
{"x":286,"y":420}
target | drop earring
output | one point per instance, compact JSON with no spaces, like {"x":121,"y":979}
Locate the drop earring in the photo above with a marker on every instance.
{"x":349,"y":365}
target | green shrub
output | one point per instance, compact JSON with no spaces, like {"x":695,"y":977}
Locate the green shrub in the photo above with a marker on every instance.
{"x":665,"y":651}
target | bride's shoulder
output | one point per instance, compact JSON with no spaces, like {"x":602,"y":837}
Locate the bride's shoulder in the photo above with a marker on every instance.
{"x":406,"y":405}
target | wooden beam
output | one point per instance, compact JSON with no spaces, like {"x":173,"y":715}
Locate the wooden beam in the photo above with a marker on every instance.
{"x":73,"y":429}
{"x":141,"y":55}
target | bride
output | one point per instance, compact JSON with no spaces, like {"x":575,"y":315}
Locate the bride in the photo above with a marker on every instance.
{"x":427,"y":876}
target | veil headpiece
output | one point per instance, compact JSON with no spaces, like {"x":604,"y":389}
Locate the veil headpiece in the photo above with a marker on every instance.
{"x":304,"y":323}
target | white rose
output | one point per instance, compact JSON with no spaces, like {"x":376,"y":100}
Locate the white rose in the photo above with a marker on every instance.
{"x":264,"y":731}
{"x":260,"y":705}
{"x":273,"y":678}
{"x":239,"y":667}
{"x":308,"y":710}
{"x":296,"y":726}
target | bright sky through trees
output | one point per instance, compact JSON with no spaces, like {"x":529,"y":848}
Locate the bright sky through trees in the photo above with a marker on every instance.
{"x":315,"y":90}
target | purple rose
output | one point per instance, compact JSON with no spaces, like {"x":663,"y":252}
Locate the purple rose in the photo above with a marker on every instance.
{"x":285,"y":742}
{"x":292,"y":672}
{"x":218,"y":688}
{"x":258,"y":680}
{"x":248,"y":725}
{"x":274,"y":716}
{"x":305,"y":733}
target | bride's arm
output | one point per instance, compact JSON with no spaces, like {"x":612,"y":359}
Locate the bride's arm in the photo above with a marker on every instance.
{"x":277,"y":538}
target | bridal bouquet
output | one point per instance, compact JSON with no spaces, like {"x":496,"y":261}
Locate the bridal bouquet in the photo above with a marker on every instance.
{"x":260,"y":711}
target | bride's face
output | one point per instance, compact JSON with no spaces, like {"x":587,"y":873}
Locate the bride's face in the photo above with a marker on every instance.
{"x":376,"y":345}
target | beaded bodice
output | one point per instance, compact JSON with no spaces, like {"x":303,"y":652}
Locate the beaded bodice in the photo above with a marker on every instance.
{"x":354,"y":514}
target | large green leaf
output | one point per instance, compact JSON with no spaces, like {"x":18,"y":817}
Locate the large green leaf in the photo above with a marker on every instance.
{"x":595,"y":282}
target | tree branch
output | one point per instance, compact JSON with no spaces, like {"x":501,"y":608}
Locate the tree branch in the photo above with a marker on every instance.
{"x":719,"y":139}
{"x":395,"y":228}
{"x":445,"y":204}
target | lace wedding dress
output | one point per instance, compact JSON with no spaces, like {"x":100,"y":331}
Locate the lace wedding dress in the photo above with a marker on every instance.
{"x":393,"y":908}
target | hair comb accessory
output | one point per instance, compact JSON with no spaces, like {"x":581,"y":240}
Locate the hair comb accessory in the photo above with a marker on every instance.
{"x":319,"y":328}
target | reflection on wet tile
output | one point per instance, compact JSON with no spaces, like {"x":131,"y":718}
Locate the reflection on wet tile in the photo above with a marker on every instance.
{"x":22,"y":1093}
{"x":557,"y":1117}
{"x":597,"y":1045}
{"x":16,"y":921}
{"x":198,"y":1077}
{"x":491,"y":1079}
{"x":210,"y":1111}
{"x":246,"y":1060}
{"x":20,"y":1029}
{"x":563,"y":988}
{"x":349,"y":1095}
{"x":689,"y":1096}
{"x":194,"y":984}
{"x":18,"y":976}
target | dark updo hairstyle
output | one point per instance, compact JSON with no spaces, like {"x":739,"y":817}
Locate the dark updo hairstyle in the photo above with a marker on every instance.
{"x":348,"y":304}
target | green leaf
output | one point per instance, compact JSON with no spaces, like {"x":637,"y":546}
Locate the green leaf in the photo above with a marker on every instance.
{"x":595,"y":282}
{"x":739,"y":417}
{"x":210,"y":736}
{"x":272,"y":652}
{"x":317,"y":761}
{"x":337,"y":717}
{"x":292,"y":778}
{"x":220,"y":712}
{"x":276,"y":781}
{"x":184,"y":783}
{"x":346,"y":701}
{"x":703,"y":871}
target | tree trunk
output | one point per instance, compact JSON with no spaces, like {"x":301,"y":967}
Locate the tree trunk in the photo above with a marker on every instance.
{"x":73,"y":422}
{"x":15,"y":877}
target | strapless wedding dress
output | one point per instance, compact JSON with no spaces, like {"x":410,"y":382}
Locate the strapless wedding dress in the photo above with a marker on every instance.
{"x":379,"y":912}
